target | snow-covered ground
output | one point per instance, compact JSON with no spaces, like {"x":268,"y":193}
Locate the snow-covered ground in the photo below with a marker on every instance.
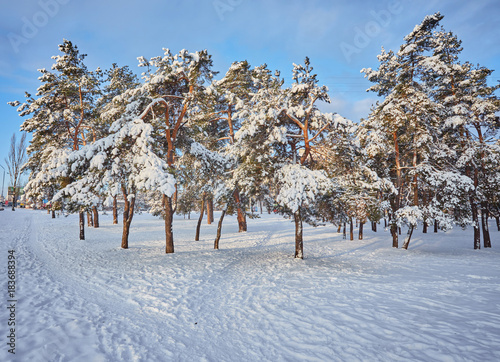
{"x":251,"y":300}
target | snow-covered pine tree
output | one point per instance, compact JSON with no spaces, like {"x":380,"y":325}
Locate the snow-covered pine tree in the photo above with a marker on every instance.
{"x":405,"y":124}
{"x":469,"y":128}
{"x":125,"y":161}
{"x":112,"y":106}
{"x":276,"y":141}
{"x":175,"y":86}
{"x":62,"y":118}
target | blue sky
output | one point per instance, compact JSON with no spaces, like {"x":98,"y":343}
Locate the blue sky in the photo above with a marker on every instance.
{"x":340,"y":37}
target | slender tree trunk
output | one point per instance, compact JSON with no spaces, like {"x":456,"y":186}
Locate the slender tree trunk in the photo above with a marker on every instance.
{"x":219,"y":229}
{"x":344,"y":232}
{"x":360,"y":236}
{"x":484,"y":225}
{"x":394,"y":233}
{"x":351,"y":229}
{"x":299,"y":244}
{"x":128,"y":214}
{"x":115,"y":211}
{"x":241,"y":216}
{"x":424,"y":227}
{"x":339,"y":230}
{"x":497,"y":219}
{"x":169,"y":216}
{"x":200,"y":219}
{"x":210,"y":210}
{"x":82,"y":226}
{"x":90,"y":222}
{"x":408,"y":237}
{"x":53,"y":214}
{"x":96,"y":217}
{"x":436,"y":226}
{"x":475,"y":221}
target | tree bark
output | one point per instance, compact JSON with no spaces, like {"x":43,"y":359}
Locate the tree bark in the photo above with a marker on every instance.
{"x":169,"y":216}
{"x":241,"y":216}
{"x":53,"y":214}
{"x":200,"y":219}
{"x":344,"y":233}
{"x":475,"y":221}
{"x":424,"y":227}
{"x":351,"y":230}
{"x":96,"y":217}
{"x":394,"y":233}
{"x":90,"y":222}
{"x":210,"y":211}
{"x":219,"y":230}
{"x":408,"y":237}
{"x":128,"y":214}
{"x":115,"y":211}
{"x":360,"y":236}
{"x":436,"y":226}
{"x":82,"y":226}
{"x":484,"y":225}
{"x":299,"y":244}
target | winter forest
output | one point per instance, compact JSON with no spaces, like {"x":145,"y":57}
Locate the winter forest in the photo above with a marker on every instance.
{"x":183,"y":138}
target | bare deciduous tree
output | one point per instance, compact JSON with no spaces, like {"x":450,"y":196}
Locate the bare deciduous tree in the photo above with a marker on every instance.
{"x":15,"y":162}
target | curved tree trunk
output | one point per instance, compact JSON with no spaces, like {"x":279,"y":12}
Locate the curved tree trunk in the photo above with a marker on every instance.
{"x":219,"y":229}
{"x":408,"y":237}
{"x":200,"y":219}
{"x":210,"y":211}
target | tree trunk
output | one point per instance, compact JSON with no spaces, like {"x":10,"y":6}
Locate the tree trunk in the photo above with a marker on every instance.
{"x":90,"y":222}
{"x":53,"y":214}
{"x":475,"y":221}
{"x":299,"y":245}
{"x":408,"y":237}
{"x":115,"y":211}
{"x":484,"y":225}
{"x":339,"y":230}
{"x":394,"y":233}
{"x":424,"y":227}
{"x":241,"y":216}
{"x":344,"y":233}
{"x":497,"y":219}
{"x":169,"y":216}
{"x":436,"y":226}
{"x":200,"y":219}
{"x":360,"y":236}
{"x":351,"y":230}
{"x":128,"y":214}
{"x":210,"y":211}
{"x":82,"y":226}
{"x":96,"y":217}
{"x":219,"y":230}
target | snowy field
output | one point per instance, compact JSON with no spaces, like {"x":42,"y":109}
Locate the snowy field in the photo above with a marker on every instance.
{"x":251,"y":300}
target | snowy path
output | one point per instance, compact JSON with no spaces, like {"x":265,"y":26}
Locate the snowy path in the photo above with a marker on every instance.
{"x":249,"y":301}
